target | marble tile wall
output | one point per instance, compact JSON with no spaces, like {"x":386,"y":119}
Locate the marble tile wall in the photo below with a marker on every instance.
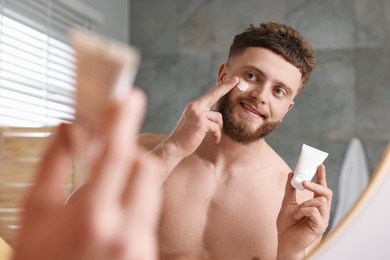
{"x":183,"y":42}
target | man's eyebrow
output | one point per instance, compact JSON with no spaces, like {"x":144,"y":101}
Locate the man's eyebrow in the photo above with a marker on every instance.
{"x":278,"y":82}
{"x":257,"y":70}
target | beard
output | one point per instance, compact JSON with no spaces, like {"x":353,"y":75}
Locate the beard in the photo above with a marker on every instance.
{"x":238,"y":130}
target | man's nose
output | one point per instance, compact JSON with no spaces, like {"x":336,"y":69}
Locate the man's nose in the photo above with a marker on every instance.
{"x":261,"y":93}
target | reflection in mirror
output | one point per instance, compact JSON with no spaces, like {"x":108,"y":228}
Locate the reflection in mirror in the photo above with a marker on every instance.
{"x":364,"y":232}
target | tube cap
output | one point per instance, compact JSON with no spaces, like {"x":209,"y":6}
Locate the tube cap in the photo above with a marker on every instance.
{"x":297,"y":180}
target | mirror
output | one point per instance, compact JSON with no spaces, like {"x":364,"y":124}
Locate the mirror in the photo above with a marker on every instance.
{"x":363,"y":233}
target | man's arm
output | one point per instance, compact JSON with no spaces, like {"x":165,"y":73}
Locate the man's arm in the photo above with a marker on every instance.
{"x":195,"y":122}
{"x":162,"y":148}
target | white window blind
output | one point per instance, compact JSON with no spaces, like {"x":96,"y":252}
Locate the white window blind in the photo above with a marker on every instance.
{"x":37,"y":84}
{"x":36,"y":63}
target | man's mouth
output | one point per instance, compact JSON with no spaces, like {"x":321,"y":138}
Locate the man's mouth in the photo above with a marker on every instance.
{"x":252,"y":109}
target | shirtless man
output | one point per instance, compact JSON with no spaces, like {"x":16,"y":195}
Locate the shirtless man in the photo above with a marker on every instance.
{"x":226,"y":191}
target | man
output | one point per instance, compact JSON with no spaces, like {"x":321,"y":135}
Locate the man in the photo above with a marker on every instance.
{"x":226,"y":191}
{"x":114,"y":217}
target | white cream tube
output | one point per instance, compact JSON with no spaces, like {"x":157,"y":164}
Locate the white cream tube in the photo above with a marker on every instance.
{"x":105,"y":72}
{"x":309,"y":159}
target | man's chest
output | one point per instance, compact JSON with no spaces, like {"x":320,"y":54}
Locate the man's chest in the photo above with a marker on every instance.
{"x":235,"y":220}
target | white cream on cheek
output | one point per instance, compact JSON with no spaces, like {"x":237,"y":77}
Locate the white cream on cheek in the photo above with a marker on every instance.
{"x":242,"y":85}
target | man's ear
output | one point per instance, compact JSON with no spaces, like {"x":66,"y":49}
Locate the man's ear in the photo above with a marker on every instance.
{"x":222,"y":72}
{"x":291,"y":105}
{"x":288,"y":109}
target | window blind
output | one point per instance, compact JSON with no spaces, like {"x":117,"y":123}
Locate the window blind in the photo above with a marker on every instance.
{"x":36,"y":63}
{"x":37,"y":85}
{"x":20,"y":151}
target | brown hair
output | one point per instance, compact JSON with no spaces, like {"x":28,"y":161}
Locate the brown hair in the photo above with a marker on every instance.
{"x":282,"y":40}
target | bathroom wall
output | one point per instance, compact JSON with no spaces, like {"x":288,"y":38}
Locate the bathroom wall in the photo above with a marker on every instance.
{"x":115,"y":15}
{"x":183,"y":42}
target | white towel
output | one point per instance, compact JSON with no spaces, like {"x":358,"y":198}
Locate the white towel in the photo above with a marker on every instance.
{"x":353,"y":179}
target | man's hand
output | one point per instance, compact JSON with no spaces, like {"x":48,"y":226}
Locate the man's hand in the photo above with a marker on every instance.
{"x":197,"y":120}
{"x":299,"y":226}
{"x":115,"y":215}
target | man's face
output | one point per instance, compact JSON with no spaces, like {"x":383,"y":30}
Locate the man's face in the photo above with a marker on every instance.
{"x":273,"y":82}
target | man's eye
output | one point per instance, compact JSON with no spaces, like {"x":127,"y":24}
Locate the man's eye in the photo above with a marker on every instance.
{"x":279,"y":91}
{"x":251,"y":76}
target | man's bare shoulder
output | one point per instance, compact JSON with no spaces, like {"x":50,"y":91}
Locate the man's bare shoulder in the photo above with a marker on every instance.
{"x":278,"y":160}
{"x":150,"y":141}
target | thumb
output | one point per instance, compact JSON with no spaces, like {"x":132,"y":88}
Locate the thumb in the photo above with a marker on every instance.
{"x":290,"y":193}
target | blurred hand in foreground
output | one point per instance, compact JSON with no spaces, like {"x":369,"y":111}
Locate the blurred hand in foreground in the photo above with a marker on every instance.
{"x":114,"y":216}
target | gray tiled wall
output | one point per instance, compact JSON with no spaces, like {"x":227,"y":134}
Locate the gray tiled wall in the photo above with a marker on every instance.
{"x":184,"y":41}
